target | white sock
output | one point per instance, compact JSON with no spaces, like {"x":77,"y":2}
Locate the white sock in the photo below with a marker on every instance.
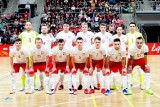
{"x":140,"y":71}
{"x":147,"y":78}
{"x":91,"y":81}
{"x":98,"y":77}
{"x":80,"y":77}
{"x":74,"y":81}
{"x":27,"y":81}
{"x":31,"y":79}
{"x":107,"y":79}
{"x":14,"y":81}
{"x":47,"y":83}
{"x":69,"y":78}
{"x":124,"y":82}
{"x":128,"y":81}
{"x":86,"y":80}
{"x":103,"y":82}
{"x":114,"y":78}
{"x":53,"y":81}
{"x":41,"y":78}
{"x":62,"y":78}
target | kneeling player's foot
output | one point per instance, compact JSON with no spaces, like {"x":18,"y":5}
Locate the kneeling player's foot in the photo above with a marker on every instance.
{"x":141,"y":87}
{"x":80,"y":87}
{"x":70,"y":91}
{"x":91,"y":91}
{"x":129,"y":92}
{"x":124,"y":91}
{"x":61,"y":87}
{"x":103,"y":90}
{"x":21,"y":89}
{"x":113,"y":87}
{"x":107,"y":92}
{"x":35,"y":88}
{"x":86,"y":91}
{"x":40,"y":88}
{"x":13,"y":91}
{"x":98,"y":86}
{"x":75,"y":91}
{"x":149,"y":91}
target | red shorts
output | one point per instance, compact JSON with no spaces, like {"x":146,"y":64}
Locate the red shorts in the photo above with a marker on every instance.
{"x":97,"y":63}
{"x":138,"y":62}
{"x":81,"y":67}
{"x":115,"y":67}
{"x":50,"y":63}
{"x":16,"y":66}
{"x":60,"y":66}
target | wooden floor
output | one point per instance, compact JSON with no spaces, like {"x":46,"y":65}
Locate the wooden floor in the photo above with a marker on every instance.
{"x":63,"y":99}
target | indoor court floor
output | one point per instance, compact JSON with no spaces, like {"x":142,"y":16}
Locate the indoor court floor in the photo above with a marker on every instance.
{"x":62,"y":99}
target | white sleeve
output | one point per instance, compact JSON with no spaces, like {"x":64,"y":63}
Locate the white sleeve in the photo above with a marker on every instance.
{"x":146,"y":48}
{"x":131,"y":51}
{"x":11,"y":53}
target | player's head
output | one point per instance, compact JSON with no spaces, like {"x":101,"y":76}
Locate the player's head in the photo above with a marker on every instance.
{"x":119,"y":30}
{"x":139,"y":42}
{"x":103,"y":27}
{"x":66,"y":27}
{"x":79,"y":42}
{"x":117,"y":43}
{"x":132,"y":26}
{"x":97,"y":42}
{"x":60,"y":43}
{"x":44,"y":29}
{"x":18,"y":43}
{"x":84,"y":27}
{"x":38,"y":42}
{"x":28,"y":26}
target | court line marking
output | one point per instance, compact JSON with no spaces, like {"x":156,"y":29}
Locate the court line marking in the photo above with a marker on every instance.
{"x":94,"y":100}
{"x":129,"y":102}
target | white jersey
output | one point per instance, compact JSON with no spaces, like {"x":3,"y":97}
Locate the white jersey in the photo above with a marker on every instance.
{"x":138,"y":53}
{"x":87,"y":37}
{"x":19,"y":56}
{"x":47,"y":40}
{"x":122,"y":38}
{"x":116,"y":55}
{"x":61,"y":55}
{"x":97,"y":54}
{"x":39,"y":55}
{"x":68,"y":38}
{"x":79,"y":56}
{"x":105,"y":38}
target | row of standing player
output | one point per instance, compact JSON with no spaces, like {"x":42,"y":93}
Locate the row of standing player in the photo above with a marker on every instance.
{"x":63,"y":34}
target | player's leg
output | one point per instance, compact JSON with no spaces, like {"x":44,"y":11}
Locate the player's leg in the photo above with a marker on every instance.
{"x":23,"y":79}
{"x":140,"y":76}
{"x":31,"y":81}
{"x":107,"y":80}
{"x":129,"y":72}
{"x":80,"y":80}
{"x":61,"y":87}
{"x":98,"y":73}
{"x":74,"y":82}
{"x":47,"y":82}
{"x":86,"y":81}
{"x":103,"y":84}
{"x":41,"y":81}
{"x":123,"y":73}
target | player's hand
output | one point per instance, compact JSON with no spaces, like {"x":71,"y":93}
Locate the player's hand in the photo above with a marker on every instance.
{"x":12,"y":71}
{"x":107,"y":71}
{"x":147,"y":68}
{"x":26,"y":71}
{"x":73,"y":70}
{"x":124,"y":71}
{"x":129,"y":69}
{"x":54,"y":69}
{"x":86,"y":69}
{"x":91,"y":70}
{"x":67,"y":69}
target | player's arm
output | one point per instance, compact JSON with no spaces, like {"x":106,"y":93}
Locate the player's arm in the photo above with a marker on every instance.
{"x":73,"y":63}
{"x":54,"y":61}
{"x":90,"y":60}
{"x":20,"y":36}
{"x":67,"y":62}
{"x":31,"y":61}
{"x":11,"y":63}
{"x":107,"y":62}
{"x":145,"y":58}
{"x":131,"y":60}
{"x":27,"y":63}
{"x":86,"y":64}
{"x":104,"y":61}
{"x":47,"y":60}
{"x":123,"y":62}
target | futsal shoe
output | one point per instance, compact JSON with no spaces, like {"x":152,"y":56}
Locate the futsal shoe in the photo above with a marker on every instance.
{"x":149,"y":91}
{"x":52,"y":92}
{"x":13,"y":91}
{"x":141,"y":87}
{"x":113,"y":87}
{"x":61,"y":87}
{"x":70,"y":91}
{"x":103,"y":90}
{"x":75,"y":91}
{"x":40,"y":88}
{"x":124,"y":91}
{"x":80,"y":87}
{"x":86,"y":91}
{"x":107,"y":92}
{"x":35,"y":88}
{"x":91,"y":91}
{"x":21,"y":89}
{"x":129,"y":92}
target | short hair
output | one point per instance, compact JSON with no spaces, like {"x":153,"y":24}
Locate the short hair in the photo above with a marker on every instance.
{"x":84,"y":23}
{"x":133,"y":23}
{"x":98,"y":38}
{"x":122,"y":26}
{"x":102,"y":24}
{"x":60,"y":40}
{"x":66,"y":22}
{"x":139,"y":38}
{"x":38,"y":38}
{"x":28,"y":22}
{"x":79,"y":38}
{"x":116,"y":40}
{"x":44,"y":25}
{"x":18,"y":40}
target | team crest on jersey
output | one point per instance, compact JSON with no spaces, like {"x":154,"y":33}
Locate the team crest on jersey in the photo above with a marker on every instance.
{"x":101,"y":52}
{"x":119,"y":54}
{"x":142,"y":52}
{"x":88,"y":36}
{"x":64,"y":53}
{"x":83,"y":54}
{"x":42,"y":52}
{"x":22,"y":53}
